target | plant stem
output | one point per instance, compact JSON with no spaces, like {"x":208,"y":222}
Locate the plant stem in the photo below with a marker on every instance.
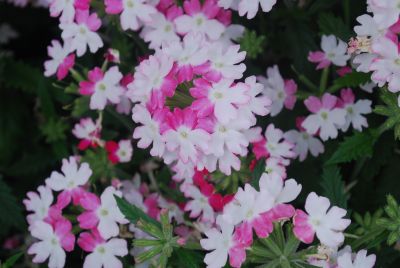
{"x":324,"y":80}
{"x":311,"y":86}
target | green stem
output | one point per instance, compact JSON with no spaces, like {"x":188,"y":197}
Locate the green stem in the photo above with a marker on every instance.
{"x":307,"y":82}
{"x":324,"y":80}
{"x":346,"y":11}
{"x":76,"y":75}
{"x":351,"y":236}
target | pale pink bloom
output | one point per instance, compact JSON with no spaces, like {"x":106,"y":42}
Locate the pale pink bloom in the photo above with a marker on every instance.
{"x":249,"y":208}
{"x":198,"y":203}
{"x":125,"y":104}
{"x":150,"y":130}
{"x":131,"y":191}
{"x":222,"y":243}
{"x":39,"y":204}
{"x":161,"y":29}
{"x":83,"y":32}
{"x":250,"y":7}
{"x":200,"y":18}
{"x":354,"y":110}
{"x":281,"y":92}
{"x":281,"y":191}
{"x":154,"y":75}
{"x":189,"y":55}
{"x":183,"y":171}
{"x":132,"y":12}
{"x":277,"y":166}
{"x":360,"y":260}
{"x":102,"y":213}
{"x":303,"y":141}
{"x":61,"y":60}
{"x":65,"y":8}
{"x":386,"y":67}
{"x":102,"y":87}
{"x":363,"y":61}
{"x":368,"y":87}
{"x":232,"y":33}
{"x":224,"y":62}
{"x":325,"y":117}
{"x":369,"y":27}
{"x":386,"y":12}
{"x":52,"y":242}
{"x":70,"y":181}
{"x":333,"y":51}
{"x":327,"y":223}
{"x":88,"y":132}
{"x":184,"y":136}
{"x":102,"y":253}
{"x":273,"y":145}
{"x":220,"y":99}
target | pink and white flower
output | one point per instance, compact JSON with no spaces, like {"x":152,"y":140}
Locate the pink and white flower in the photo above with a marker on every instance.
{"x":334,"y":51}
{"x":102,"y":213}
{"x":273,"y":145}
{"x":83,"y":32}
{"x":386,"y":12}
{"x":53,"y":242}
{"x":200,"y":18}
{"x":325,"y":117}
{"x":304,"y":142}
{"x":72,"y":180}
{"x":102,"y":87}
{"x":64,"y":7}
{"x":62,"y":60}
{"x":88,"y":132}
{"x":39,"y":204}
{"x":120,"y":152}
{"x":133,"y":12}
{"x":281,"y":92}
{"x":184,"y":135}
{"x":102,"y":253}
{"x":198,"y":203}
{"x":354,"y":110}
{"x":327,"y":223}
{"x":220,"y":99}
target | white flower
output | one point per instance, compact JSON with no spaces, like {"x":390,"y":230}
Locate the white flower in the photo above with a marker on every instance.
{"x":198,"y":203}
{"x":219,"y":241}
{"x":335,"y":50}
{"x":251,"y":7}
{"x":159,"y":31}
{"x":133,"y":11}
{"x":304,"y":143}
{"x":225,"y":60}
{"x":361,"y":260}
{"x":173,"y":210}
{"x":276,"y":144}
{"x":124,"y":151}
{"x":39,"y":204}
{"x":73,"y":175}
{"x":282,"y":191}
{"x":65,"y":8}
{"x":105,"y":254}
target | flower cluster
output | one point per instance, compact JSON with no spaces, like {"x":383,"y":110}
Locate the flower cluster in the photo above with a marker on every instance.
{"x":51,"y":225}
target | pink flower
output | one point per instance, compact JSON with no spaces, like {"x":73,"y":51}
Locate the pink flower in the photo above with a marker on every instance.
{"x":281,"y":92}
{"x":102,"y":87}
{"x":61,"y":61}
{"x":103,"y":253}
{"x":53,"y":242}
{"x":153,"y":76}
{"x":333,"y":51}
{"x":327,"y":224}
{"x":184,"y":135}
{"x":120,"y":152}
{"x":88,"y":132}
{"x":273,"y":145}
{"x":326,"y":118}
{"x":220,"y":99}
{"x":132,"y":12}
{"x":200,"y":18}
{"x":83,"y":32}
{"x":70,"y":182}
{"x":102,"y":213}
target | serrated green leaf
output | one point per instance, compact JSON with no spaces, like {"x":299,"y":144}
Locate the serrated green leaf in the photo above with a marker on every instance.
{"x":330,"y":24}
{"x":333,"y":186}
{"x":359,"y":145}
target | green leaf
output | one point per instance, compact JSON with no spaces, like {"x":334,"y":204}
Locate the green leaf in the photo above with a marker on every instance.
{"x":10,"y":210}
{"x":330,"y":24}
{"x":353,"y":79}
{"x":391,"y":110}
{"x":133,"y":213}
{"x":187,"y":258}
{"x":252,"y":44}
{"x":333,"y":186}
{"x":10,"y":262}
{"x":359,"y":145}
